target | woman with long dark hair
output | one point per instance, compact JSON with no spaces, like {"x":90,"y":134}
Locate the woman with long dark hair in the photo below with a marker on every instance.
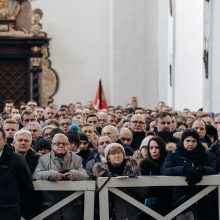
{"x":158,"y":198}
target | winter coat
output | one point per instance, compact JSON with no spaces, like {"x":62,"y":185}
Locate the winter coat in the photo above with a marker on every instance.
{"x":94,"y":158}
{"x":15,"y":184}
{"x":137,"y":139}
{"x":119,"y":208}
{"x":174,"y":166}
{"x":32,"y":160}
{"x":214,"y":155}
{"x":158,"y":198}
{"x":48,"y":167}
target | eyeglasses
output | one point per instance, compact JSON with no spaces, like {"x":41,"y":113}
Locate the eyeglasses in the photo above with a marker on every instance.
{"x":104,"y":142}
{"x":60,"y":143}
{"x":125,"y":139}
{"x":67,"y":123}
{"x":27,"y":120}
{"x":216,"y":122}
{"x":138,"y":122}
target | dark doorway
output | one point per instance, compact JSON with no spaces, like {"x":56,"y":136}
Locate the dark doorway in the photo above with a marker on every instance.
{"x":14,"y":80}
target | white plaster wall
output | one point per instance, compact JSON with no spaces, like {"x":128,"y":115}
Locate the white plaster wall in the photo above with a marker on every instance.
{"x":79,"y":47}
{"x":135,"y":51}
{"x":214,"y":58}
{"x":165,"y":50}
{"x":188,"y":49}
{"x":124,"y":42}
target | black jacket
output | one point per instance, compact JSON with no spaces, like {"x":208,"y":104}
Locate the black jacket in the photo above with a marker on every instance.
{"x":137,"y":139}
{"x":32,"y":160}
{"x":174,"y":166}
{"x":15,"y":184}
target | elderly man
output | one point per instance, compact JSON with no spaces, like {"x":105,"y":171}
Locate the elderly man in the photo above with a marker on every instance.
{"x":125,"y":138}
{"x":15,"y":184}
{"x":60,"y":164}
{"x":112,"y":132}
{"x":36,"y":131}
{"x":22,"y":145}
{"x":102,"y":119}
{"x":97,"y":155}
{"x":137,"y":126}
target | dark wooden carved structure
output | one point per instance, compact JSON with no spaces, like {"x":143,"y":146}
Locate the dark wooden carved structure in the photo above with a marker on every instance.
{"x":19,"y":79}
{"x":25,"y":70}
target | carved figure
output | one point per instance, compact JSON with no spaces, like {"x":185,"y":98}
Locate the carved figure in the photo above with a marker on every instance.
{"x":36,"y":25}
{"x":22,"y":12}
{"x":3,"y":9}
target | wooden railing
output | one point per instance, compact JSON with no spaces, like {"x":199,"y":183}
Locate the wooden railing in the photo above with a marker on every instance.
{"x":78,"y":187}
{"x":113,"y":185}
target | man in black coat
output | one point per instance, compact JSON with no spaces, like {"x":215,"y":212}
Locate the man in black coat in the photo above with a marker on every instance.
{"x":137,"y":126}
{"x":15,"y":182}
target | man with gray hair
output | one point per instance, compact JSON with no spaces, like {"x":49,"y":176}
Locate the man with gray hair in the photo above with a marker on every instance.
{"x":61,"y":164}
{"x":35,"y":130}
{"x":16,"y":183}
{"x":137,"y":126}
{"x":22,"y":145}
{"x":112,"y":132}
{"x":125,"y":139}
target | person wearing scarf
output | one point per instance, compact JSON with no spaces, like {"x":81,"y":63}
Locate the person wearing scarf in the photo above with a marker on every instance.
{"x":190,"y":160}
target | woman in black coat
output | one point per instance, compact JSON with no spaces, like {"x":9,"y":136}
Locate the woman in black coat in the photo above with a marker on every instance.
{"x":158,"y":198}
{"x":190,"y":160}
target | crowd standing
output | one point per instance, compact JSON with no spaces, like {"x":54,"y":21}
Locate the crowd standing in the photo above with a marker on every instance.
{"x":75,"y":143}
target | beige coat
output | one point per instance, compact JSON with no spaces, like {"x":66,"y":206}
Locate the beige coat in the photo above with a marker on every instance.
{"x":49,"y":166}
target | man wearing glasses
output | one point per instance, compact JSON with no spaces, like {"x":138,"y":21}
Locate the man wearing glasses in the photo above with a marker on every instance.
{"x":65,"y":123}
{"x":137,"y":126}
{"x":58,"y":165}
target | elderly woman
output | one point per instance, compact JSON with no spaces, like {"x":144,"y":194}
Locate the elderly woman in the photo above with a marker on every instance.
{"x":190,"y":160}
{"x":117,"y":165}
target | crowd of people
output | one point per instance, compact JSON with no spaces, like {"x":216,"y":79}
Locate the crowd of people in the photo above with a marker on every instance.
{"x":75,"y":143}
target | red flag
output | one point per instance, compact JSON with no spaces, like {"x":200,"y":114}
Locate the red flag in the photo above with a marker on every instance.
{"x":100,"y":100}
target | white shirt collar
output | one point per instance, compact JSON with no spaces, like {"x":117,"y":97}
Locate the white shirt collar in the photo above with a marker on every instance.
{"x":1,"y":152}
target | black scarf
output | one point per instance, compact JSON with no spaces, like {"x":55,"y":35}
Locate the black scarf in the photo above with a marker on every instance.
{"x":197,"y":156}
{"x":116,"y":170}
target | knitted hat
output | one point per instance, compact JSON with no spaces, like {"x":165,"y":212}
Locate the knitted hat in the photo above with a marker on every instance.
{"x":73,"y":136}
{"x":83,"y":137}
{"x":145,"y":141}
{"x":211,"y":131}
{"x":74,"y":127}
{"x":190,"y":132}
{"x":109,"y":146}
{"x":42,"y":143}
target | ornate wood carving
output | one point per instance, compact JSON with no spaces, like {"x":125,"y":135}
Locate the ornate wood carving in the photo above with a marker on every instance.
{"x":36,"y":79}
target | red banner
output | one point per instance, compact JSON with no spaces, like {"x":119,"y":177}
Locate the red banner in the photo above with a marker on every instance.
{"x":100,"y":99}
